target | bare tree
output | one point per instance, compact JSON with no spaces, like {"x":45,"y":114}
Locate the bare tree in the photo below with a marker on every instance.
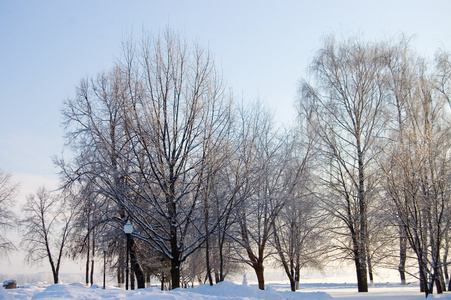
{"x":46,"y":225}
{"x":146,"y":136}
{"x":94,"y":121}
{"x":8,"y":190}
{"x":416,"y":167}
{"x":346,"y":114}
{"x":266,"y":161}
{"x":298,"y":236}
{"x":174,"y":126}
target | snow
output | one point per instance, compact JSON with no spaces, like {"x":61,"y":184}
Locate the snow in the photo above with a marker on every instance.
{"x":221,"y":291}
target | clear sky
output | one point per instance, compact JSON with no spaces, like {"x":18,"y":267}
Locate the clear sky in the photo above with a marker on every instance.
{"x":262,"y":47}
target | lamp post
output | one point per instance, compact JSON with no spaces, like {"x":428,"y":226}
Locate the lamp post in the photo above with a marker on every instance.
{"x":128,"y":229}
{"x":104,"y":264}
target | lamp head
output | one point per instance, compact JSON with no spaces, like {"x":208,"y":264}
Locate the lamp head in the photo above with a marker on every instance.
{"x":128,"y":227}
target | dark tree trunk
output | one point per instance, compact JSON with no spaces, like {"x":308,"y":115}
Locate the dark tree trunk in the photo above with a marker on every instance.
{"x":87,"y":269}
{"x":292,"y":284}
{"x":118,"y":276}
{"x":174,"y":242}
{"x":136,"y":268}
{"x":92,"y":259}
{"x":88,"y":244}
{"x":162,"y":281}
{"x":423,"y":280}
{"x":259,"y":271}
{"x":175,"y":273}
{"x":52,"y":265}
{"x":439,"y":286}
{"x":370,"y":271}
{"x":92,"y":272}
{"x":55,"y":278}
{"x":221,"y":257}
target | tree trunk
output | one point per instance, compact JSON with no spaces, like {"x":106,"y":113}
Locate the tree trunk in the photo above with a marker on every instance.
{"x":118,"y":276}
{"x":88,"y":244}
{"x":55,"y":278}
{"x":441,"y":279}
{"x":87,"y":269}
{"x":370,"y":270}
{"x":207,"y":232}
{"x":402,"y":256}
{"x":221,"y":257}
{"x":120,"y":268}
{"x":207,"y":256}
{"x":363,"y":234}
{"x":136,"y":268}
{"x":217,"y":277}
{"x":52,"y":265}
{"x":445,"y":259}
{"x":259,"y":271}
{"x":175,"y":272}
{"x":362,"y":280}
{"x":175,"y":250}
{"x":92,"y":259}
{"x":92,"y":272}
{"x":297,"y":276}
{"x":292,"y":284}
{"x":423,"y":280}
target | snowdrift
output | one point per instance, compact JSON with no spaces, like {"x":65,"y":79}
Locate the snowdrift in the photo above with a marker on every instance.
{"x":221,"y":291}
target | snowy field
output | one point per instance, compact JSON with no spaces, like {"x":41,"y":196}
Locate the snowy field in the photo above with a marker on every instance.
{"x":224,"y":290}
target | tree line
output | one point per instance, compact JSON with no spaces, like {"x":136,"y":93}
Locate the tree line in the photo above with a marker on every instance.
{"x":160,"y":140}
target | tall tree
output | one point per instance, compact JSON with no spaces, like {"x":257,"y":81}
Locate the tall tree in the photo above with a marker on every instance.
{"x":267,"y":161}
{"x":95,"y":130}
{"x":346,"y":115}
{"x":416,"y":165}
{"x":146,"y":135}
{"x":298,"y":235}
{"x":174,"y":126}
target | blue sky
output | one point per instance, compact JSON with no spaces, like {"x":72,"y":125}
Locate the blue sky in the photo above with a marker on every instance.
{"x":262,"y":47}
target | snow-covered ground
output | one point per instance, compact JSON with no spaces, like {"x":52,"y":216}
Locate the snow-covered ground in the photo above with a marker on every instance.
{"x":224,"y":290}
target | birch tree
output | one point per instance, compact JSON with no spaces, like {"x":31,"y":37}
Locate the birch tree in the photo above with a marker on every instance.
{"x":417,"y":164}
{"x":346,"y":108}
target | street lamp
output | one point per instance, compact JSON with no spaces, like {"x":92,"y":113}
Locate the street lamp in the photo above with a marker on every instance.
{"x":128,"y":229}
{"x":104,"y":264}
